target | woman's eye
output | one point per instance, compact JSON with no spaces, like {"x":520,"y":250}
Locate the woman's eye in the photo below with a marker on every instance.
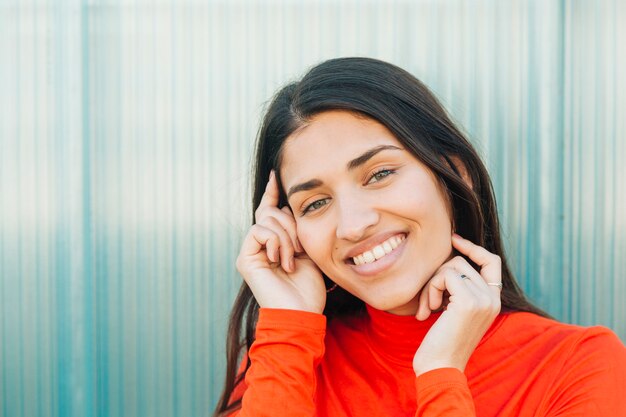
{"x":379,"y":175}
{"x":315,"y":205}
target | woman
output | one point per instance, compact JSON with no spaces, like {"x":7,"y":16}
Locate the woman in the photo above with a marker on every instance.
{"x":375,"y":278}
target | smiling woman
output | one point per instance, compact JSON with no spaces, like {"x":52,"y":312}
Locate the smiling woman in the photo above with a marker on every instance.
{"x":375,"y":282}
{"x":369,"y":193}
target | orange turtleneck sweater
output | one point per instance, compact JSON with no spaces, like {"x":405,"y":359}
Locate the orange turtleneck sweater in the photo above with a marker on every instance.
{"x":525,"y":365}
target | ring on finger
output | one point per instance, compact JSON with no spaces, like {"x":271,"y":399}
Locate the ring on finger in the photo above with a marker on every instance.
{"x":463,"y":276}
{"x":495,"y":284}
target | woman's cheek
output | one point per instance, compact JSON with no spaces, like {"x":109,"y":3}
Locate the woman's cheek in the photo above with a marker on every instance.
{"x":305,"y":238}
{"x":315,"y":245}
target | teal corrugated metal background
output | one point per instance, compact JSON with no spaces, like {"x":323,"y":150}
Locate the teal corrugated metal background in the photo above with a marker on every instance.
{"x":126,"y":130}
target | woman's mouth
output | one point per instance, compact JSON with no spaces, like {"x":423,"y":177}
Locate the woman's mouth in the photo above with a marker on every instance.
{"x":379,"y":258}
{"x":378,"y":251}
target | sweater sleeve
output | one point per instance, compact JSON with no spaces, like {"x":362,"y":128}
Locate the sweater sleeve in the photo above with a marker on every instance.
{"x":281,"y":379}
{"x":443,"y":392}
{"x":593,"y":379}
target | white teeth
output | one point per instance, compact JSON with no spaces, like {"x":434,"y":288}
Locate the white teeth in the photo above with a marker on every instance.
{"x":378,"y":251}
{"x":368,"y":257}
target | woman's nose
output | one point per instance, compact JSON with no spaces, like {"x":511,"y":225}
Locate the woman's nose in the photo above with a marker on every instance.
{"x":354,"y":220}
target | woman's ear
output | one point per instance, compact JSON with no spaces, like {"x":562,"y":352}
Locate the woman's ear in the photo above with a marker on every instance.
{"x":460,"y":167}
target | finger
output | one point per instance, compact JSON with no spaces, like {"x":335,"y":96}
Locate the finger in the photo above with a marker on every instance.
{"x":289,"y":223}
{"x":482,"y":294}
{"x":475,"y":285}
{"x":435,"y":292}
{"x":479,"y":284}
{"x":270,"y":196}
{"x":475,"y":282}
{"x":285,"y":244}
{"x":286,"y":221}
{"x":463,"y":293}
{"x":423,"y":308}
{"x":464,"y":268}
{"x":272,"y":248}
{"x":447,"y":279}
{"x":258,"y":238}
{"x":490,"y":263}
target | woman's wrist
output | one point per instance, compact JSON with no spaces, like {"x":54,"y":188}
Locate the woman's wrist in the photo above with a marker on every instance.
{"x":420,"y":370}
{"x":421,"y":366}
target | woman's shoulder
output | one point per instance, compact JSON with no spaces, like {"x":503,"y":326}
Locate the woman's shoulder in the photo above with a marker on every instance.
{"x":522,"y":328}
{"x":518,"y":320}
{"x":551,"y":366}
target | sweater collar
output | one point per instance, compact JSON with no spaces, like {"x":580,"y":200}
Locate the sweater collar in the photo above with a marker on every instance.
{"x":397,"y":337}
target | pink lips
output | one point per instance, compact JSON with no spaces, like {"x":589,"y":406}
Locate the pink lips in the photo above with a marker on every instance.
{"x":370,"y":243}
{"x":381,"y":264}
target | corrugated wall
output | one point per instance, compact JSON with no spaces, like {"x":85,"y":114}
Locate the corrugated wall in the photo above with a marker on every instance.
{"x":126,"y":130}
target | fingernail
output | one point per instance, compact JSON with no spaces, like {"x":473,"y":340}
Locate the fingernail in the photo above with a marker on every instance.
{"x":456,"y":236}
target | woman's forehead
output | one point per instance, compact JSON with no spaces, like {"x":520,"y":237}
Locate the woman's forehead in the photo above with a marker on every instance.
{"x":332,"y":138}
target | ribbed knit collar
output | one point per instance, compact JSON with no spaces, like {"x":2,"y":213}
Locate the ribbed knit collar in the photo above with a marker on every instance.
{"x":397,"y":337}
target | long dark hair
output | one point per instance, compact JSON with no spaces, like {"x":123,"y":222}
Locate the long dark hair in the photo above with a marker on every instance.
{"x":396,"y":99}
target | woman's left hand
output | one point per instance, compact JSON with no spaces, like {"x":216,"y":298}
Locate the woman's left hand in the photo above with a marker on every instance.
{"x":472,"y":307}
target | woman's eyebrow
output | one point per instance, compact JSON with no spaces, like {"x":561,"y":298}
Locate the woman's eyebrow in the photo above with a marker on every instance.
{"x":355,"y":163}
{"x":367,"y":155}
{"x":308,"y":185}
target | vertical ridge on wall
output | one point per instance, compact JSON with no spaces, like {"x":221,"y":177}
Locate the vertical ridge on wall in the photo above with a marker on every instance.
{"x":126,"y":139}
{"x":593,"y":98}
{"x":85,"y":366}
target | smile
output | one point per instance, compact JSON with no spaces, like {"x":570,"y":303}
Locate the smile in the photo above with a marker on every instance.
{"x":378,"y":251}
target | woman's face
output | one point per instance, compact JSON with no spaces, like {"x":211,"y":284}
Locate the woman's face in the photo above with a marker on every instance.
{"x":368,"y":213}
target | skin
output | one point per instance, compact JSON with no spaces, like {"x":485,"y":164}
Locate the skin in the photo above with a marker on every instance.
{"x":341,"y":211}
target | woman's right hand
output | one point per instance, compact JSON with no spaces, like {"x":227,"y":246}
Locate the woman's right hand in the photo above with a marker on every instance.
{"x":274,"y":264}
